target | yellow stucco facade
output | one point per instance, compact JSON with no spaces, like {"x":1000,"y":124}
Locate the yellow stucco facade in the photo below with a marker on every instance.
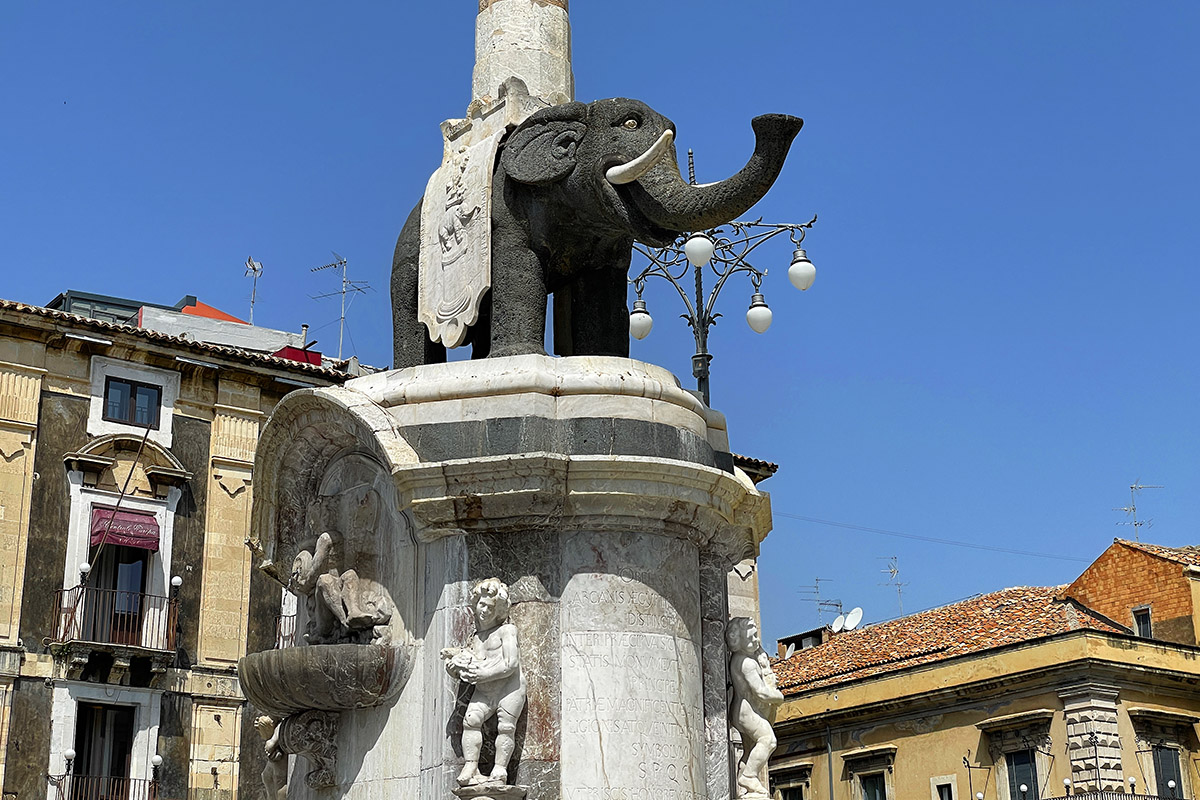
{"x":955,"y":728}
{"x":195,"y":472}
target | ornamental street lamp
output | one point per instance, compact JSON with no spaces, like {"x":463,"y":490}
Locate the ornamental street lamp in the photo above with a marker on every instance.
{"x":724,"y":250}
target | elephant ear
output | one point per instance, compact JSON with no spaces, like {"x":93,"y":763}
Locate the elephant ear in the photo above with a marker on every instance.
{"x":542,"y":149}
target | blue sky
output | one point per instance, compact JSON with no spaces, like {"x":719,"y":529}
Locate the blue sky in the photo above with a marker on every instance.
{"x":1001,"y":337}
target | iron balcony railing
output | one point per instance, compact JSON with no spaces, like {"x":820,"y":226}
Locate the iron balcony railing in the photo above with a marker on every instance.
{"x":111,"y":616}
{"x":97,"y":787}
{"x":285,"y":631}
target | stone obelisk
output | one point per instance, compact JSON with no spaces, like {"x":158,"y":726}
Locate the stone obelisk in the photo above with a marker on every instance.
{"x":522,"y":65}
{"x":525,"y":39}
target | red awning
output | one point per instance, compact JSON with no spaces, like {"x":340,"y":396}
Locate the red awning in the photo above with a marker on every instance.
{"x":130,"y":528}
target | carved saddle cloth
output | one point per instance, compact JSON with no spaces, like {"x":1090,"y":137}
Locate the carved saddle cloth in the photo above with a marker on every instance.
{"x":456,"y":240}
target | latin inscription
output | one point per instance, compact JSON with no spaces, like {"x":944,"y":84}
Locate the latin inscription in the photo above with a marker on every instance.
{"x":632,"y":706}
{"x":621,"y":601}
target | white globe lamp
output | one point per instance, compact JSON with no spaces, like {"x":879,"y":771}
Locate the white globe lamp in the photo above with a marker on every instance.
{"x":801,"y":273}
{"x":640,"y":321}
{"x":758,"y":316}
{"x":699,"y":249}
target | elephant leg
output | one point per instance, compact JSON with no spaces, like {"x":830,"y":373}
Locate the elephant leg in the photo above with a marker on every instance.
{"x":599,"y":312}
{"x":518,"y":304}
{"x":480,"y":335}
{"x":411,"y":345}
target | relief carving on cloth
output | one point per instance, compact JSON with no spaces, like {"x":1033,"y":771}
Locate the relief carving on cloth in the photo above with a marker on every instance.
{"x":456,"y":240}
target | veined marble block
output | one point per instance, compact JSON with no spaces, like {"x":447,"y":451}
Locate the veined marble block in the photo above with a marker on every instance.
{"x":602,"y":495}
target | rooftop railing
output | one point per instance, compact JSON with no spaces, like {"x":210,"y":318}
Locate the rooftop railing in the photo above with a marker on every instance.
{"x":112,"y":616}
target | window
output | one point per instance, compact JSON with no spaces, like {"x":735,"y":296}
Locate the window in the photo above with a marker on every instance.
{"x":1022,"y":771}
{"x":1166,"y":771}
{"x":873,"y":787}
{"x":1141,"y":622}
{"x":945,"y":791}
{"x":132,"y":403}
{"x":104,"y":747}
{"x":114,"y":603}
{"x":788,"y":781}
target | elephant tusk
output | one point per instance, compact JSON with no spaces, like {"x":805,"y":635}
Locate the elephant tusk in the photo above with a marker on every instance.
{"x":630,"y":172}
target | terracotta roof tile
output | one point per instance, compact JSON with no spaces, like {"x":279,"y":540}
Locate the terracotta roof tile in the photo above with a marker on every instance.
{"x":1189,"y":555}
{"x":980,"y":623}
{"x":335,"y":375}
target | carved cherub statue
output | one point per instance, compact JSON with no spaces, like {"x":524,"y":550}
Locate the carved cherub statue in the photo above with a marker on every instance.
{"x":491,"y":664}
{"x":341,"y":606}
{"x":274,"y":774}
{"x":756,"y":695}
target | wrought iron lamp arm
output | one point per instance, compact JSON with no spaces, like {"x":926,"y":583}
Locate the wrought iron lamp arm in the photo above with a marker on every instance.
{"x":661,"y":268}
{"x":728,"y":257}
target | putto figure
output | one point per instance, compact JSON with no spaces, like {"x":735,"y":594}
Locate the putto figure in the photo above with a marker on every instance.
{"x":491,"y":664}
{"x":756,"y":695}
{"x":274,"y":774}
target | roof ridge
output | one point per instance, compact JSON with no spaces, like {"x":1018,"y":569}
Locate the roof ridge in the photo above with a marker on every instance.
{"x":983,"y":622}
{"x":960,"y":601}
{"x":1157,"y":550}
{"x":166,"y":338}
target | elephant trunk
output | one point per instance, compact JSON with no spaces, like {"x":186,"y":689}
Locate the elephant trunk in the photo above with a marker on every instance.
{"x":670,"y":202}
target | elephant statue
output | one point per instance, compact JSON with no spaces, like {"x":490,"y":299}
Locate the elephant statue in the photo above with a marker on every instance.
{"x":573,"y":187}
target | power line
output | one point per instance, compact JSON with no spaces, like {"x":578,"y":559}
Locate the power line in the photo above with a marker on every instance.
{"x":933,"y":539}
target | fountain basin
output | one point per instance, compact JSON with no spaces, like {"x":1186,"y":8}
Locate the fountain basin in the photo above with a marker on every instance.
{"x":324,"y":677}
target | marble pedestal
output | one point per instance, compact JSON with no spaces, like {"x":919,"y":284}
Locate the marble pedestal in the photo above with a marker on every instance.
{"x":602,"y":494}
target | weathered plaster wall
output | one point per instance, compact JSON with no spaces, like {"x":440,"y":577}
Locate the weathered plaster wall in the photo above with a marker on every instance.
{"x":62,"y":429}
{"x":191,"y":447}
{"x":28,"y":750}
{"x":174,"y":745}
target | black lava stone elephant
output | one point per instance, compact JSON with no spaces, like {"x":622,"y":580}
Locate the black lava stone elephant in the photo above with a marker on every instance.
{"x":573,"y":187}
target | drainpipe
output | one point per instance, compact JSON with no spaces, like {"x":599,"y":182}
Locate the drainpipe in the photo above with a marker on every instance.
{"x":829,"y":757}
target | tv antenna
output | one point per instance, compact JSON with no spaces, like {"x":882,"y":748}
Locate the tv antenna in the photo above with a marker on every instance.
{"x":253,"y":268}
{"x":822,"y":605}
{"x":893,"y":572}
{"x":347,"y":287}
{"x":1131,"y":509}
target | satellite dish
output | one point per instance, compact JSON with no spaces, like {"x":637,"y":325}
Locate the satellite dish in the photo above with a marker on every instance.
{"x":839,"y":623}
{"x":790,"y":650}
{"x":853,"y":618}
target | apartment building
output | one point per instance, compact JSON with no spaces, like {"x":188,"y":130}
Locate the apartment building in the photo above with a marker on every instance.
{"x":126,"y":476}
{"x":1086,"y":690}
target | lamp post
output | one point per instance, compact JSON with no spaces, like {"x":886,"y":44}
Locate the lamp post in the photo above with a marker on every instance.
{"x":155,"y":762}
{"x":58,"y":781}
{"x":725,"y":252}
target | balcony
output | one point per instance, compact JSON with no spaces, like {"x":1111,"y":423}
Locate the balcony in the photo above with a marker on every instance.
{"x":1121,"y":796}
{"x":115,"y":617}
{"x":92,"y":787}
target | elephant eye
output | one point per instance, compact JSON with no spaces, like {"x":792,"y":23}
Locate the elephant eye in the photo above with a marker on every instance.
{"x":631,"y":123}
